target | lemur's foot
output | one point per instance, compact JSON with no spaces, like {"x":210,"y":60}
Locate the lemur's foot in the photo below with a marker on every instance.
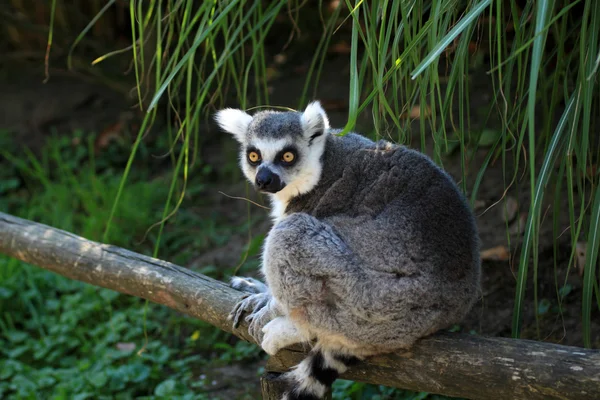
{"x":257,"y":305}
{"x":248,"y":285}
{"x":279,"y":333}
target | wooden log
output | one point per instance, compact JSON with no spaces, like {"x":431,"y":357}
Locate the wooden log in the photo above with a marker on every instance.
{"x":476,"y":367}
{"x":271,"y":387}
{"x":454,"y":364}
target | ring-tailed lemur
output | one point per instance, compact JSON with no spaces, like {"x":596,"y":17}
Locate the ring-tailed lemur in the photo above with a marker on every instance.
{"x":373,"y":245}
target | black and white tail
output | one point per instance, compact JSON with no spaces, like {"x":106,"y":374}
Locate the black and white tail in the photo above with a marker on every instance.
{"x":313,"y":377}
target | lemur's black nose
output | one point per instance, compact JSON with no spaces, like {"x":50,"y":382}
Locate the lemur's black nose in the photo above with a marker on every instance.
{"x":268,"y":181}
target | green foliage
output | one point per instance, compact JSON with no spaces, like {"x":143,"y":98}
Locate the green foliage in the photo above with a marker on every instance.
{"x":61,"y":338}
{"x":66,"y":339}
{"x":60,"y":183}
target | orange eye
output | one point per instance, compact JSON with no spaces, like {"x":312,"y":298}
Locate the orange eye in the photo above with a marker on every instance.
{"x":288,"y":157}
{"x":254,"y":157}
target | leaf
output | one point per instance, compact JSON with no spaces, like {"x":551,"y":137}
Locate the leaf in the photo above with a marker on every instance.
{"x":498,"y":253}
{"x":341,"y":47}
{"x":165,"y":388}
{"x":137,"y":372}
{"x":25,"y":387}
{"x":457,"y":30}
{"x":195,"y":336}
{"x":580,"y":256}
{"x":17,"y":351}
{"x":5,"y":293}
{"x":16,"y":336}
{"x":113,"y":133}
{"x":415,"y":112}
{"x":6,"y":185}
{"x":544,"y":306}
{"x":488,"y":137}
{"x":565,"y":290}
{"x":97,"y":379}
{"x":8,"y":368}
{"x":126,"y":347}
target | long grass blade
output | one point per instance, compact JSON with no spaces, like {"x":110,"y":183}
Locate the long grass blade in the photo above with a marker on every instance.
{"x":589,"y":272}
{"x":354,"y":96}
{"x":589,"y":48}
{"x":85,"y":30}
{"x":445,"y":42}
{"x":198,"y":40}
{"x":49,"y":44}
{"x":536,"y":203}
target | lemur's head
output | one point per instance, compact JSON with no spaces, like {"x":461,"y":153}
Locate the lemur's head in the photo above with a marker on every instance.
{"x":280,"y":151}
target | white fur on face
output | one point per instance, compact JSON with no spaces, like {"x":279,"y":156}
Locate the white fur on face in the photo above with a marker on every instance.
{"x":309,"y":175}
{"x":268,"y":150}
{"x":302,"y":183}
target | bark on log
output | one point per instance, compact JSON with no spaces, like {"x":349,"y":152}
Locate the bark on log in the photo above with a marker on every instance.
{"x":273,"y":388}
{"x":462,"y":365}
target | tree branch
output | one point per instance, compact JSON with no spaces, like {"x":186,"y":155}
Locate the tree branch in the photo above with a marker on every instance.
{"x":453,"y":364}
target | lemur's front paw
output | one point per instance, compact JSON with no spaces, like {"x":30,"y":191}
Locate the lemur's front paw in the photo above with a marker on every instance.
{"x":248,"y":285}
{"x":257,"y":307}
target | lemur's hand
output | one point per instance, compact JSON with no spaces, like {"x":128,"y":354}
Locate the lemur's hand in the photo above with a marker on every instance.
{"x":259,"y":313}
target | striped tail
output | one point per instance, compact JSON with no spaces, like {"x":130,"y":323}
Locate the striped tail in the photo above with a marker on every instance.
{"x":313,"y":377}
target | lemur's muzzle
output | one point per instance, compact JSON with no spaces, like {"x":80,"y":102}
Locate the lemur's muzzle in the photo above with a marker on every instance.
{"x":268,"y":181}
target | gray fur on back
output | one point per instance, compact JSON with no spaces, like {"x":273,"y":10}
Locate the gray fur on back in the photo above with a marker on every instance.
{"x":406,"y":251}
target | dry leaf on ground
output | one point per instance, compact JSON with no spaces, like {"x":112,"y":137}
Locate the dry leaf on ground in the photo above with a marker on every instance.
{"x":127,"y":346}
{"x":498,"y":253}
{"x":415,"y":112}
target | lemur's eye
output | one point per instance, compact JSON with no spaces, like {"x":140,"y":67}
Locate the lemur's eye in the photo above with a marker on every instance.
{"x":288,"y":157}
{"x":253,"y":157}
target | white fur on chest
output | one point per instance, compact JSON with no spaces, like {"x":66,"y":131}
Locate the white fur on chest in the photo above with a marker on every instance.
{"x":278,"y":209}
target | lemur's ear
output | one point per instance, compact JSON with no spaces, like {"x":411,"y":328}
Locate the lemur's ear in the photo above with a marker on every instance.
{"x":234,"y":121}
{"x":314,"y":121}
